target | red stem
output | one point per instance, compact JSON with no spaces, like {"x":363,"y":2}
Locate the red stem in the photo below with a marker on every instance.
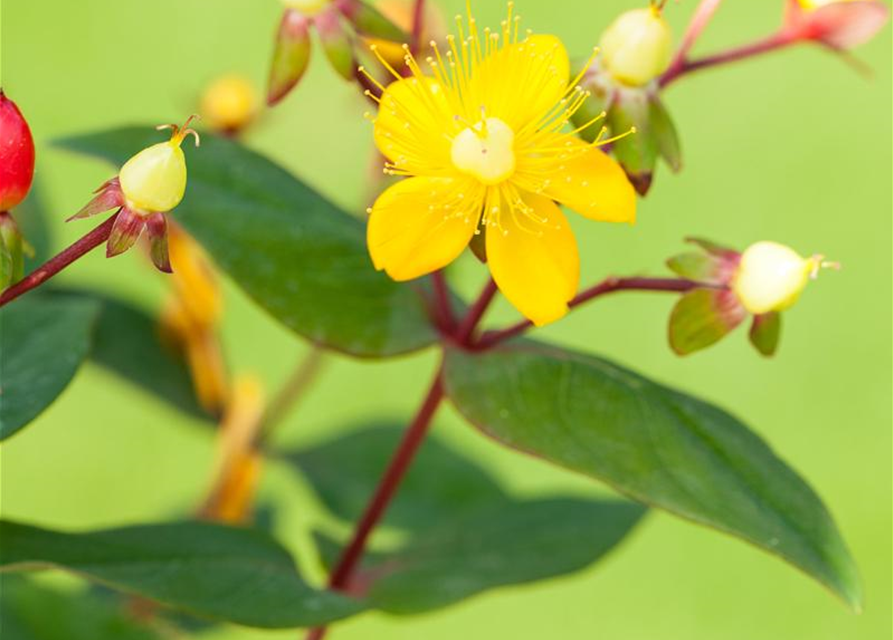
{"x":385,"y":491}
{"x":466,"y":328}
{"x":418,"y":26}
{"x":699,"y":21}
{"x":609,"y":285}
{"x":775,"y":41}
{"x":402,"y":458}
{"x":55,"y":264}
{"x":442,"y":304}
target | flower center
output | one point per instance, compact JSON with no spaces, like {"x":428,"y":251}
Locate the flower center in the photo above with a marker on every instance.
{"x":486,"y":151}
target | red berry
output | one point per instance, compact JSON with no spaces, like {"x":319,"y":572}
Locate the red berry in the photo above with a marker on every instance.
{"x":16,"y":155}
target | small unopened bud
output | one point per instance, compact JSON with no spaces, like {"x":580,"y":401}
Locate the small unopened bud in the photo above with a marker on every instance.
{"x":291,"y":55}
{"x":771,"y":277}
{"x":838,"y":24}
{"x":637,"y":46}
{"x":16,"y":155}
{"x":154,"y":180}
{"x":229,"y":104}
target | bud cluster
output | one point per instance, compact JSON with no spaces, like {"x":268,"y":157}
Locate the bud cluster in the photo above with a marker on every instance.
{"x":340,"y":26}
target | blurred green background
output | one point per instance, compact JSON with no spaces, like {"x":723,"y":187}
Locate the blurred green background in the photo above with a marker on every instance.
{"x":794,"y":147}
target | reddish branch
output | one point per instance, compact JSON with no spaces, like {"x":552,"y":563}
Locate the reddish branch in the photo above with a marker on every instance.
{"x":609,"y":285}
{"x":54,"y":265}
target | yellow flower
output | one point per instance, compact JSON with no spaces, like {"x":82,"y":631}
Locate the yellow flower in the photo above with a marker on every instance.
{"x":484,"y":144}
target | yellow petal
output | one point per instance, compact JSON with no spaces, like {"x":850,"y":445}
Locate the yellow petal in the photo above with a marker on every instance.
{"x":409,"y":130}
{"x":536,"y":265}
{"x":421,"y":224}
{"x":593,"y":185}
{"x":522,"y":82}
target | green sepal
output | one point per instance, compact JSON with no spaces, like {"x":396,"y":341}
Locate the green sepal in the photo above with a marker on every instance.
{"x":765,"y":332}
{"x":601,"y":94}
{"x":336,"y":43}
{"x":637,"y":152}
{"x":12,"y":260}
{"x":664,"y":133}
{"x":702,"y":317}
{"x":290,"y":56}
{"x":369,"y":21}
{"x":697,"y":266}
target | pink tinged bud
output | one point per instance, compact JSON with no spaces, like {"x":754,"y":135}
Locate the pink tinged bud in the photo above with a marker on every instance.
{"x":765,"y":332}
{"x":125,"y":232}
{"x":290,"y":56}
{"x":839,"y":25}
{"x":156,"y":229}
{"x":702,"y":317}
{"x":336,"y":43}
{"x":12,"y":263}
{"x":16,"y":155}
{"x":109,"y":197}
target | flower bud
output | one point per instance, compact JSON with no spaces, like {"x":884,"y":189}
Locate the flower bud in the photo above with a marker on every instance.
{"x":229,"y":104}
{"x":771,"y":276}
{"x":637,"y":47}
{"x":16,"y":155}
{"x":838,"y":24}
{"x":154,"y":180}
{"x":291,"y":55}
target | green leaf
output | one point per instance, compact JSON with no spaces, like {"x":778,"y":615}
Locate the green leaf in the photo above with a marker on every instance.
{"x":31,"y":611}
{"x":43,"y":340}
{"x":765,"y":332}
{"x":208,"y":570}
{"x":440,"y":483}
{"x":34,"y":222}
{"x":296,"y":254}
{"x":128,"y":343}
{"x":703,"y":317}
{"x":507,"y":543}
{"x":652,"y":444}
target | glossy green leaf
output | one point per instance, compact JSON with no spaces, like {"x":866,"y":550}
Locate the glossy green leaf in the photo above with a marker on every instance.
{"x":300,"y":257}
{"x":440,"y":484}
{"x":653,"y":444}
{"x":128,"y":343}
{"x":506,"y":543}
{"x":43,"y":340}
{"x":703,"y":317}
{"x":223,"y":573}
{"x":32,"y":611}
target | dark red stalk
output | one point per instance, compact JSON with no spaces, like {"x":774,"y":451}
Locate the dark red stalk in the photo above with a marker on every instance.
{"x":55,"y":264}
{"x":466,"y":328}
{"x":384,"y":493}
{"x":402,"y":458}
{"x":418,"y":26}
{"x":773,"y":42}
{"x":442,"y":305}
{"x":609,"y":285}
